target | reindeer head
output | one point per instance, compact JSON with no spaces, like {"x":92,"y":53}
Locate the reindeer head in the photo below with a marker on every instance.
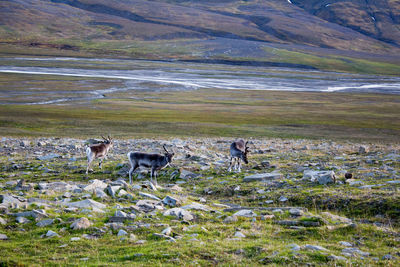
{"x":244,"y":154}
{"x":108,"y":140}
{"x":168,"y":155}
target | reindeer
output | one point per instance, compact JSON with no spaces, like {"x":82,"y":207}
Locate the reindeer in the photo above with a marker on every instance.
{"x":238,"y":152}
{"x":154,"y":161}
{"x":98,"y":151}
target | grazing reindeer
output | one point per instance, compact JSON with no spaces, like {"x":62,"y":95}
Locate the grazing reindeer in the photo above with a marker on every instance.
{"x":238,"y":151}
{"x":153,"y":161}
{"x":98,"y":151}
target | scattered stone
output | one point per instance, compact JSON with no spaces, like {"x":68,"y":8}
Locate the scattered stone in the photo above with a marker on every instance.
{"x":388,"y":257}
{"x":336,"y":258}
{"x":22,"y":220}
{"x":346,"y":244}
{"x":334,"y":217}
{"x":185,"y":174}
{"x":294,"y":247}
{"x":167,"y":231}
{"x":100,"y":193}
{"x":354,"y":252}
{"x":10,"y":201}
{"x":230,"y":219}
{"x":179,"y":213}
{"x":3,"y":237}
{"x":314,"y":247}
{"x":245,"y":213}
{"x":354,"y":182}
{"x":44,"y":223}
{"x":169,"y":238}
{"x":296,"y":212}
{"x":122,"y":193}
{"x":196,"y":206}
{"x":2,"y":221}
{"x":283,"y":199}
{"x":239,"y":234}
{"x":75,"y":238}
{"x":51,"y":233}
{"x":149,"y":196}
{"x":171,"y":201}
{"x":87,"y":203}
{"x":322,"y":177}
{"x":49,"y":156}
{"x":81,"y":223}
{"x":25,"y":143}
{"x":122,"y":233}
{"x":362,"y":150}
{"x":95,"y":185}
{"x":263,"y":177}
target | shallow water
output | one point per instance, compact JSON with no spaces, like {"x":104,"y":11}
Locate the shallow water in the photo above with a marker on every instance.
{"x":157,"y":75}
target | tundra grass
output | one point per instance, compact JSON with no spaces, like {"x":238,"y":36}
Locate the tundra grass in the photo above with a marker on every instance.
{"x":211,"y":113}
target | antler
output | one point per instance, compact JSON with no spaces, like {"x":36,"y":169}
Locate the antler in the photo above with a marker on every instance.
{"x":246,"y":147}
{"x":103,"y":138}
{"x":109,"y":138}
{"x":165,"y":149}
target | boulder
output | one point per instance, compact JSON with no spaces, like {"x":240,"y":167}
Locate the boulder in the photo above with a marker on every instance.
{"x":87,"y":203}
{"x":44,"y":223}
{"x":263,"y":177}
{"x":146,"y":195}
{"x":179,"y":213}
{"x":51,"y":233}
{"x":95,"y":185}
{"x":81,"y":223}
{"x":9,"y":201}
{"x":322,"y":177}
{"x":196,"y":206}
{"x":171,"y":201}
{"x":3,"y":237}
{"x":245,"y":213}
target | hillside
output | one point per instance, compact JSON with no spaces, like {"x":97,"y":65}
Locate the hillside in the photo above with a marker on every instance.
{"x":198,"y":29}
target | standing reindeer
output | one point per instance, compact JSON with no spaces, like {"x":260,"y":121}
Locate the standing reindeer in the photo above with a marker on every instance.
{"x":238,"y":152}
{"x":98,"y":151}
{"x":154,"y":161}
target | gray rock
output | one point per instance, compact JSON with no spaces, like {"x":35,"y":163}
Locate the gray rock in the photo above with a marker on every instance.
{"x":184,"y":174}
{"x":146,"y":195}
{"x":44,"y":223}
{"x":336,"y":258}
{"x":122,"y":193}
{"x":49,"y":156}
{"x":336,"y":217}
{"x":388,"y":257}
{"x":296,"y":212}
{"x":120,"y":213}
{"x":294,"y":247}
{"x":196,"y":206}
{"x":94,"y":185}
{"x":87,"y":203}
{"x":171,"y":201}
{"x":239,"y":234}
{"x":362,"y":150}
{"x":354,"y":182}
{"x":122,"y":232}
{"x":314,"y":247}
{"x":3,"y":237}
{"x":146,"y":205}
{"x":75,"y":238}
{"x":245,"y":213}
{"x":283,"y":199}
{"x":22,"y":220}
{"x":169,"y":238}
{"x":10,"y":201}
{"x":179,"y":213}
{"x":32,"y":213}
{"x":230,"y":219}
{"x":322,"y":177}
{"x":346,"y":244}
{"x":2,"y":221}
{"x":100,"y":193}
{"x":25,"y":143}
{"x":263,"y":177}
{"x":393,"y":182}
{"x":51,"y":233}
{"x":167,"y":231}
{"x":354,"y":252}
{"x":112,"y":190}
{"x":81,"y":223}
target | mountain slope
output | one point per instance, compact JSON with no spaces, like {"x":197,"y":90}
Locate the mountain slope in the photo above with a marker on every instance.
{"x":76,"y":24}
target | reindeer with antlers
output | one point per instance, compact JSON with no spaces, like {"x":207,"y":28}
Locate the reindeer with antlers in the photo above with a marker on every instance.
{"x":238,"y":152}
{"x":154,"y":161}
{"x":98,"y":151}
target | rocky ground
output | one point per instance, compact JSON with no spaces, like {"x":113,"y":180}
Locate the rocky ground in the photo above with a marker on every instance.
{"x":296,"y":202}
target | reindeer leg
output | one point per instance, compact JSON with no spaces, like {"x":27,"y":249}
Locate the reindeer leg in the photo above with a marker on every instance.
{"x":133,"y":168}
{"x":101,"y":162}
{"x":240,"y":164}
{"x":230,"y":165}
{"x":90,"y":159}
{"x":153,"y":171}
